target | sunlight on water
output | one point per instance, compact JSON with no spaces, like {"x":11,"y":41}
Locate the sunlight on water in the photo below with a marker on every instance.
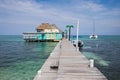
{"x":87,"y":47}
{"x":103,"y":63}
{"x":36,"y":49}
{"x":97,"y":58}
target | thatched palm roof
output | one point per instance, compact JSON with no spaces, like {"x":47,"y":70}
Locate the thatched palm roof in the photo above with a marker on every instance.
{"x":44,"y":26}
{"x":47,"y":26}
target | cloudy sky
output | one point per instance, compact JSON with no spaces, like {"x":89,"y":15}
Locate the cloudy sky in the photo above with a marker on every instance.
{"x":18,"y":16}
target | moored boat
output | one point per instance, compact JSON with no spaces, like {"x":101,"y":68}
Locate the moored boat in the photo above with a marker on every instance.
{"x":80,"y":43}
{"x":93,"y":36}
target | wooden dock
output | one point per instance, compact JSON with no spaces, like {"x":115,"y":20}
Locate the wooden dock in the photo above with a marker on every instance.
{"x":65,"y":63}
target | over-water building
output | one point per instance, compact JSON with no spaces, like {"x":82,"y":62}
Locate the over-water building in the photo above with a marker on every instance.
{"x":45,"y":32}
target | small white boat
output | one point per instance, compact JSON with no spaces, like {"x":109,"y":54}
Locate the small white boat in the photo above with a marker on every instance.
{"x":93,"y":36}
{"x":80,"y":43}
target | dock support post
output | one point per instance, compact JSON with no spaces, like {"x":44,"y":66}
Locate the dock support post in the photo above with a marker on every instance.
{"x":91,"y":63}
{"x":39,"y":73}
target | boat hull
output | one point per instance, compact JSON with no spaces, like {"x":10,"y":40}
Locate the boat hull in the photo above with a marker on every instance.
{"x":93,"y":37}
{"x":80,"y":43}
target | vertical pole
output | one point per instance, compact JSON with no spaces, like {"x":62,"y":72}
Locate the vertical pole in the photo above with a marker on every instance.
{"x":77,"y":48}
{"x":93,"y":27}
{"x":68,"y":34}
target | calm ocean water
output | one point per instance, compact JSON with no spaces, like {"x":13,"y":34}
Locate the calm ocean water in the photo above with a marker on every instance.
{"x":21,"y":60}
{"x":106,"y":52}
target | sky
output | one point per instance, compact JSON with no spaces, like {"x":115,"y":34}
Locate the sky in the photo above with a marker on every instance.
{"x":18,"y":16}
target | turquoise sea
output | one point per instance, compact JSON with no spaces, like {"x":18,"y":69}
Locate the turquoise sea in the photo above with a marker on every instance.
{"x":20,"y":60}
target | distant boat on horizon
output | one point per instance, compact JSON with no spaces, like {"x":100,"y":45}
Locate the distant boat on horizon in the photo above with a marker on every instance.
{"x":93,"y":36}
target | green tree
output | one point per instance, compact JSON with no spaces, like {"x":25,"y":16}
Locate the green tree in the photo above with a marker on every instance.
{"x":69,"y":27}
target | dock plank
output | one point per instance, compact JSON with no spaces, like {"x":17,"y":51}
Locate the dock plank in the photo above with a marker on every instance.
{"x":72,"y":65}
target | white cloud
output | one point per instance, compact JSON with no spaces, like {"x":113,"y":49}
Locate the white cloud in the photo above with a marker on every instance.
{"x":20,"y":5}
{"x":91,"y":6}
{"x":111,"y":13}
{"x":96,"y":8}
{"x":29,"y":12}
{"x":29,"y":8}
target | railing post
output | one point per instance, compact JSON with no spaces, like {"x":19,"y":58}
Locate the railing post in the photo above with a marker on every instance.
{"x":91,"y":63}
